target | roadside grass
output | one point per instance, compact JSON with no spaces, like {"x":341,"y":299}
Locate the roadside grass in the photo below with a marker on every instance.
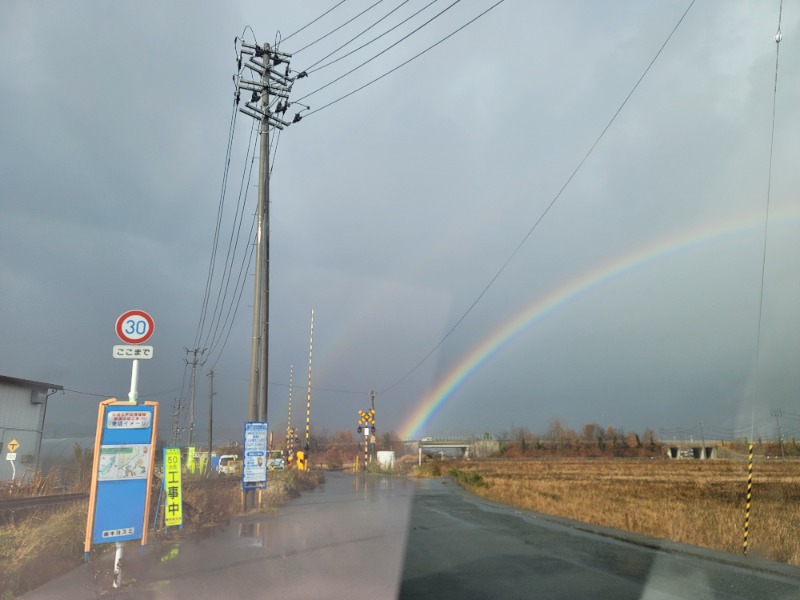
{"x":39,"y":548}
{"x":47,"y":544}
{"x":430,"y":468}
{"x":695,"y":502}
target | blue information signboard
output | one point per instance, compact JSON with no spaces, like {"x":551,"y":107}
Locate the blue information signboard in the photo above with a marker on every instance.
{"x":254,"y":463}
{"x":119,"y":500}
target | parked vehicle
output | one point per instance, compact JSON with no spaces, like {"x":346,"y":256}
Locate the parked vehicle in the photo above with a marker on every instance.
{"x":229,"y":464}
{"x":276,"y":462}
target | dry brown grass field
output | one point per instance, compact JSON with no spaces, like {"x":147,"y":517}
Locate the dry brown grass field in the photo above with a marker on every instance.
{"x":696,"y":502}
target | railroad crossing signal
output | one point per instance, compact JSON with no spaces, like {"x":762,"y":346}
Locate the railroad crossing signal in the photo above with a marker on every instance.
{"x":367,"y":417}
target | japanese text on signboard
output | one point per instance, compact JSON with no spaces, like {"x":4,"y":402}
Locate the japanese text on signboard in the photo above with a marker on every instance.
{"x":128,"y":419}
{"x":173,"y":511}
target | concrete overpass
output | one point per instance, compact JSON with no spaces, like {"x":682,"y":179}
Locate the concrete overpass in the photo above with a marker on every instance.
{"x":690,"y":449}
{"x":463,"y":447}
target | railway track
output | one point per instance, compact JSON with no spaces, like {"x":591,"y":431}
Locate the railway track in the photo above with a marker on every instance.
{"x":12,"y":508}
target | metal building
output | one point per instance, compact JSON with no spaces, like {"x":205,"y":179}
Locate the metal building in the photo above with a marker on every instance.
{"x":23,"y":405}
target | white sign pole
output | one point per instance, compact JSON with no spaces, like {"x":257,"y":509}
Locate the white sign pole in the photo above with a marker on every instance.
{"x":133,"y":398}
{"x":133,"y":395}
{"x":132,"y":327}
{"x":118,"y":565}
{"x":13,"y":470}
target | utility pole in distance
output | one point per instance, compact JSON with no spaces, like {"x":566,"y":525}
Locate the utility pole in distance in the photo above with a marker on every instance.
{"x":778,"y":413}
{"x":192,"y":390}
{"x":210,"y":420}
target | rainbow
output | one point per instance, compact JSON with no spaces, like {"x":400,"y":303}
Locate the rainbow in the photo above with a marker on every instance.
{"x":684,"y":241}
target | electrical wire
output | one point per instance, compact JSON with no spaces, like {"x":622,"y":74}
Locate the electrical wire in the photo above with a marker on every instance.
{"x":404,"y":63}
{"x":87,"y":393}
{"x":244,"y":265}
{"x":233,"y":244}
{"x":402,"y":39}
{"x":314,"y":21}
{"x":212,"y":261}
{"x":549,"y":206}
{"x":332,"y":31}
{"x":240,"y":282}
{"x":354,"y":38}
{"x":238,"y":303}
{"x":778,"y":37}
{"x":217,"y":327}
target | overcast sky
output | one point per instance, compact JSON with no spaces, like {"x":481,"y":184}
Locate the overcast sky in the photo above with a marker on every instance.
{"x":393,"y":209}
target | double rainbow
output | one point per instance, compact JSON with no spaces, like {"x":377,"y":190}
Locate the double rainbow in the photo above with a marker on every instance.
{"x":684,"y":241}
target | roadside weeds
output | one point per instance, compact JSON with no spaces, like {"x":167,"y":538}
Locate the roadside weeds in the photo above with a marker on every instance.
{"x":47,"y":544}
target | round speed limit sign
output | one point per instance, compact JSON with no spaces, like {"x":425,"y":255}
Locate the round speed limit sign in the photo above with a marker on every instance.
{"x":134,"y":327}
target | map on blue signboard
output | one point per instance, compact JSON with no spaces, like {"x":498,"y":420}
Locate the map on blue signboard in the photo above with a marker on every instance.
{"x":122,"y":472}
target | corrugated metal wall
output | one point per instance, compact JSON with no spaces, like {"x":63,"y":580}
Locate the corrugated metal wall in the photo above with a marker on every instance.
{"x":20,"y":420}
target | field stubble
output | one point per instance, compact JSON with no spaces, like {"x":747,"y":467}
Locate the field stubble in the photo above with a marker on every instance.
{"x":695,"y":502}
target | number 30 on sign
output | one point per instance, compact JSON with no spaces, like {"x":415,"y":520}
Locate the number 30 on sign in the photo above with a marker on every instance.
{"x":134,"y":327}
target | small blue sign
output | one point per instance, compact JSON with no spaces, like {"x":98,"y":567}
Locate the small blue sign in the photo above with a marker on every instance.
{"x":254,"y":463}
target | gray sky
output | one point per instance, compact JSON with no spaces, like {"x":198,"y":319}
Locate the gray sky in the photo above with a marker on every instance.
{"x":394,"y":208}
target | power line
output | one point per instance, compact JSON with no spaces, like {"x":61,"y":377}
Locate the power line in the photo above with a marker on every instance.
{"x":241,"y":279}
{"x":404,"y":63}
{"x":310,"y":69}
{"x":405,"y":37}
{"x":88,"y":393}
{"x":204,"y":309}
{"x":332,"y":31}
{"x":233,"y":244}
{"x":778,"y":37}
{"x":549,"y":206}
{"x":236,"y":309}
{"x":313,"y":21}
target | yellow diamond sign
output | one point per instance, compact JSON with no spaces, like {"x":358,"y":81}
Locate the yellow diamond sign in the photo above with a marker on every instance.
{"x":13,"y":445}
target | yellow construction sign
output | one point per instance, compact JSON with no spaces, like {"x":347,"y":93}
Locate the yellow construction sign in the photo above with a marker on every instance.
{"x":173,"y":507}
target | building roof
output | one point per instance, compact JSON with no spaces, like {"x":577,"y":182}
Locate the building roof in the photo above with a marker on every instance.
{"x":29,"y":383}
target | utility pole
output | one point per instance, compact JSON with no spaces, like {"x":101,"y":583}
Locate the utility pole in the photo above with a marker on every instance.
{"x":262,"y":61}
{"x":778,"y":413}
{"x":192,"y":389}
{"x":177,"y":406}
{"x":260,"y":329}
{"x":210,"y":419}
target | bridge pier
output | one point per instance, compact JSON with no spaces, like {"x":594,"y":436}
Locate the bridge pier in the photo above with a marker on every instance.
{"x":695,"y":451}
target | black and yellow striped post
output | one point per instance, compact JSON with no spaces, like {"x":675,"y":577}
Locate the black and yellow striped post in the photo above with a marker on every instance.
{"x":307,"y":446}
{"x":363,"y":421}
{"x":289,"y":437}
{"x":749,"y":498}
{"x":366,"y":447}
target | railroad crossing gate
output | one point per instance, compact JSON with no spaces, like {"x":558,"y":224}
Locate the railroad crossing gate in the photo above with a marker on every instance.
{"x":119,"y":499}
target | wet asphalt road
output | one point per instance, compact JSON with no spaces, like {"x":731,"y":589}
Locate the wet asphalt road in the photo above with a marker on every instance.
{"x":380,"y":537}
{"x":461,"y":547}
